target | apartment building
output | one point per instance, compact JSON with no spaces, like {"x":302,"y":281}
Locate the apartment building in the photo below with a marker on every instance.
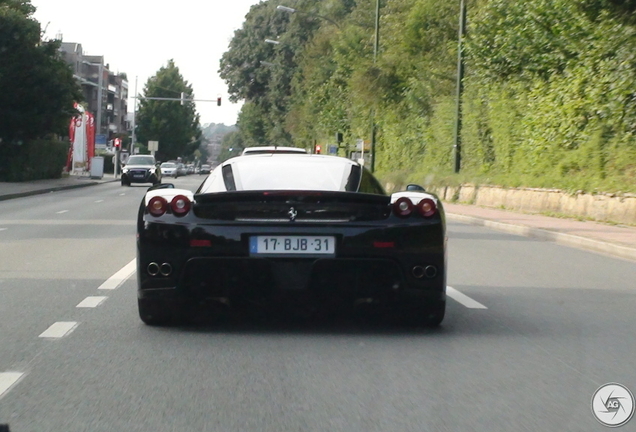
{"x":105,"y":92}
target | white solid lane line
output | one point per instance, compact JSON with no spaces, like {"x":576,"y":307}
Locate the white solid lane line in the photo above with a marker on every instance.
{"x":3,"y":229}
{"x":122,"y":194}
{"x":120,"y":277}
{"x":59,"y":329}
{"x":8,"y":380}
{"x":91,"y":302}
{"x":98,"y":201}
{"x":463,"y":299}
{"x":63,"y":211}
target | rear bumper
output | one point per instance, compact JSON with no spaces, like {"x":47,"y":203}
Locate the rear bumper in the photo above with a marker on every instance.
{"x":225,"y":269}
{"x":324,"y":281}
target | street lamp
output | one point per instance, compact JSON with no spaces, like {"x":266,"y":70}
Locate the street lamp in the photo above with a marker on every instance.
{"x":271,"y":41}
{"x":100,"y":92}
{"x":133,"y":138}
{"x":285,"y":9}
{"x":292,"y":10}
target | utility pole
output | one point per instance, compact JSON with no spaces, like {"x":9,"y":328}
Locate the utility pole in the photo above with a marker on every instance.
{"x":132,"y":138}
{"x":376,"y":47}
{"x":460,"y":86}
{"x":100,"y":95}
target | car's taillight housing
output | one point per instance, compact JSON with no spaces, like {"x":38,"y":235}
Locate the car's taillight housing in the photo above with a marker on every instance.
{"x":426,"y":207}
{"x":403,"y":207}
{"x":157,"y":206}
{"x":180,"y":205}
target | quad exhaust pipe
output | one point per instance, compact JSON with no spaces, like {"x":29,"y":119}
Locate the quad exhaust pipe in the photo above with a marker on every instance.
{"x":419,"y":272}
{"x":155,"y":269}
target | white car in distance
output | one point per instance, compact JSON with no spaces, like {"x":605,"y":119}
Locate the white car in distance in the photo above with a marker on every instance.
{"x":169,"y":169}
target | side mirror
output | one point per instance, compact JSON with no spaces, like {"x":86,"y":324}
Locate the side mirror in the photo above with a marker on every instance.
{"x":415,"y":188}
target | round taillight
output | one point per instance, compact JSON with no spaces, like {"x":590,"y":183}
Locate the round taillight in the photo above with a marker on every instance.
{"x":403,"y":207}
{"x":180,"y":205}
{"x":157,"y":206}
{"x":427,"y":207}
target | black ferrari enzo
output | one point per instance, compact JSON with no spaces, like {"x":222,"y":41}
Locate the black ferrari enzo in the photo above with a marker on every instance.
{"x":274,"y":229}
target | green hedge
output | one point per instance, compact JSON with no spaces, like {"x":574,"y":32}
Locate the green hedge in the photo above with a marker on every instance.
{"x":32,"y":160}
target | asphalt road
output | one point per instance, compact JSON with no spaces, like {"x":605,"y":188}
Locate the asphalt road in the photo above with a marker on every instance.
{"x":540,"y":327}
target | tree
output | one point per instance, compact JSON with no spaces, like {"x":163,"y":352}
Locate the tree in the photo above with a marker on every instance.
{"x":174,"y":125}
{"x":262,"y":73}
{"x":38,"y":88}
{"x":232,"y":145}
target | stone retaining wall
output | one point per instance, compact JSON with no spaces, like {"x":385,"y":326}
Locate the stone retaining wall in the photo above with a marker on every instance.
{"x":619,"y":208}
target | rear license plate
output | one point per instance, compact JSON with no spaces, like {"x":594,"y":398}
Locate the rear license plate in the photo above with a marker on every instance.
{"x":292,"y":245}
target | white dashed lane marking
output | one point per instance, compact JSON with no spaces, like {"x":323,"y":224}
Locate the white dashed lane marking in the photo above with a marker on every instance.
{"x":91,"y":302}
{"x":62,"y":211}
{"x":98,"y":201}
{"x":463,"y":299}
{"x":8,"y":380}
{"x":59,"y":329}
{"x":122,"y":194}
{"x":120,"y":277}
{"x":3,"y":229}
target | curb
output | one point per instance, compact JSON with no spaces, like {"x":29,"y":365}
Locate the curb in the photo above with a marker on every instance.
{"x":51,"y":189}
{"x":607,"y":248}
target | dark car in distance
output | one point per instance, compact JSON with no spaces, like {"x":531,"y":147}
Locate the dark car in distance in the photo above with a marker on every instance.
{"x":141,"y":169}
{"x":284,"y":229}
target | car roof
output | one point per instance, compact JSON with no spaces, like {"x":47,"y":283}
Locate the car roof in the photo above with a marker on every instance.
{"x":276,"y":171}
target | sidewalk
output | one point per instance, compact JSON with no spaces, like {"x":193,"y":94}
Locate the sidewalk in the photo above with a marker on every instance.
{"x":36,"y":187}
{"x":615,"y":240}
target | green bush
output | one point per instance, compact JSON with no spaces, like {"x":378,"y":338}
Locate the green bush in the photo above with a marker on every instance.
{"x":33,"y":160}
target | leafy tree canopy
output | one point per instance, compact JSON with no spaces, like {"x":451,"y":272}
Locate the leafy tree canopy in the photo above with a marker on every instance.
{"x":38,"y":86}
{"x":174,"y":125}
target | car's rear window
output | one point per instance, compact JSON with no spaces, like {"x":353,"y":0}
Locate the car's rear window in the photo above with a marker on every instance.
{"x":303,"y":174}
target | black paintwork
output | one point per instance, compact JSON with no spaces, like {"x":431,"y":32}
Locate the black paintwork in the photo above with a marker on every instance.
{"x":364,"y":267}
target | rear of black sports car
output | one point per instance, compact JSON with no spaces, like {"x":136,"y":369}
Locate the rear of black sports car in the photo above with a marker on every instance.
{"x":248,"y":239}
{"x":320,"y":250}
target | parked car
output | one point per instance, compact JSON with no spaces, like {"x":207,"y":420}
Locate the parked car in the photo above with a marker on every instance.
{"x":272,"y":149}
{"x":190,"y":169}
{"x":181,"y":169}
{"x":169,"y":169}
{"x":141,"y":169}
{"x":205,"y":169}
{"x":309,"y":229}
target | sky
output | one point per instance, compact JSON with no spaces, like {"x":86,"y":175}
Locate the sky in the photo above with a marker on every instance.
{"x":139,"y":36}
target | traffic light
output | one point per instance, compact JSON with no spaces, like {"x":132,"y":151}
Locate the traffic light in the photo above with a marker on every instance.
{"x":317,"y":149}
{"x":218,"y":101}
{"x":117,"y":143}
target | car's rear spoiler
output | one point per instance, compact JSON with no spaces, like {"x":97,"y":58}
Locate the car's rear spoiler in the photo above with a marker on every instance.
{"x":291,"y":195}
